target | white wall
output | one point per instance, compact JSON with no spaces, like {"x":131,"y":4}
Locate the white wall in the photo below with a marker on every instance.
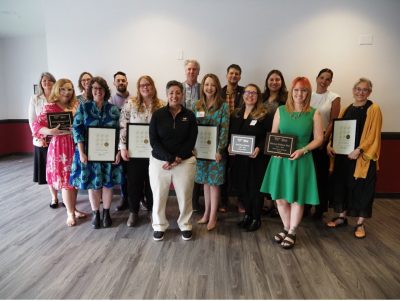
{"x":22,"y":60}
{"x":297,"y":37}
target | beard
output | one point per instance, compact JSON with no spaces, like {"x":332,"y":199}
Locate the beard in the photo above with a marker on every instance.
{"x":121,"y":89}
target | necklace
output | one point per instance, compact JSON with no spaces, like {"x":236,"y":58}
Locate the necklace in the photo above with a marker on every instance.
{"x":296,"y":115}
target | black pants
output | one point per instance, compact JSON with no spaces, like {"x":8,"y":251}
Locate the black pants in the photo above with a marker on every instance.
{"x":253,"y":203}
{"x":321,"y":162}
{"x":138,"y":183}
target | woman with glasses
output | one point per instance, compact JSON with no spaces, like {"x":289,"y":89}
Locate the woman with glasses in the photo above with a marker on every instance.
{"x":211,"y":109}
{"x":247,"y":171}
{"x":354,"y":175}
{"x":83,"y":84}
{"x":99,"y":178}
{"x":61,"y":146}
{"x":291,"y":181}
{"x":138,"y":110}
{"x":328,"y":104}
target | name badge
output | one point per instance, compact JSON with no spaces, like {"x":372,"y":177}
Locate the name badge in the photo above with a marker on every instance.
{"x":200,"y":114}
{"x":253,"y":122}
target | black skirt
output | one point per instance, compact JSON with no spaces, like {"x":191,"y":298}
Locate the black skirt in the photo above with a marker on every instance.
{"x":355,"y":196}
{"x":39,"y":165}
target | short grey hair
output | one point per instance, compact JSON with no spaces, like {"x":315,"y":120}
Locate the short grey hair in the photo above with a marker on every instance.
{"x":363,"y":80}
{"x":191,"y":61}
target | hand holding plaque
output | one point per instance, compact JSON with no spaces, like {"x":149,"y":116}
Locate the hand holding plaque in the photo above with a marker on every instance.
{"x":279,"y":145}
{"x":242,"y":144}
{"x":63,"y":119}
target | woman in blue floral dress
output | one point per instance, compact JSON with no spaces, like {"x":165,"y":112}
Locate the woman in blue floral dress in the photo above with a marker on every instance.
{"x":98,"y":178}
{"x":211,"y":109}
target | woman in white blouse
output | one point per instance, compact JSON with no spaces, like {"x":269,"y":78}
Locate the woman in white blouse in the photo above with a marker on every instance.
{"x":328,"y":104}
{"x":36,"y":105}
{"x":138,"y":109}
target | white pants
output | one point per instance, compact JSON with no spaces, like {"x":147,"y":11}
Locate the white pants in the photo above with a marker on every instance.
{"x":182,"y":176}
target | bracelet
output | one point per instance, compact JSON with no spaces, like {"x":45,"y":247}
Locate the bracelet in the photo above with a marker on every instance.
{"x":305,"y":150}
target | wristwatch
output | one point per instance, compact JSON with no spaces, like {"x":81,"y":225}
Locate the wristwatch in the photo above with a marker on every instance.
{"x":305,"y":150}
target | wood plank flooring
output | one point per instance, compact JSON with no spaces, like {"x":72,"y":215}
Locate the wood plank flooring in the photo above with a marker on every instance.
{"x":41,"y":258}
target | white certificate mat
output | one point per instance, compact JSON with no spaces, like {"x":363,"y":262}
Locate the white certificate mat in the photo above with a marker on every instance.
{"x":206,"y":143}
{"x":101,"y":144}
{"x":242,"y":144}
{"x":344,"y":136}
{"x":138,"y":141}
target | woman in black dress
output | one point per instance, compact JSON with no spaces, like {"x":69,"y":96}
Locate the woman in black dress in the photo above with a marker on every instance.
{"x":354,"y":175}
{"x":248,"y":171}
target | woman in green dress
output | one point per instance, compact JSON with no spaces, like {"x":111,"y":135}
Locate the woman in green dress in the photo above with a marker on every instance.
{"x":292,"y":181}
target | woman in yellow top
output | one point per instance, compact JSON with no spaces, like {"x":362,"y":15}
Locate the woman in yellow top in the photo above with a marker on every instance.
{"x":354,"y":175}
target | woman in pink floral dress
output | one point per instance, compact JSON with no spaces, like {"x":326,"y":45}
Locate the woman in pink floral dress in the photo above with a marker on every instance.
{"x":61,"y":147}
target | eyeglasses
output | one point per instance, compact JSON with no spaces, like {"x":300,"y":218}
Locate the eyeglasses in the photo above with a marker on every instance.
{"x":250,"y":93}
{"x":359,"y":90}
{"x":144,"y":85}
{"x":97,"y":88}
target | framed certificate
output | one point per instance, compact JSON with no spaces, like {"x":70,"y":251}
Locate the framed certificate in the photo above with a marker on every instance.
{"x":242,"y":144}
{"x":64,"y":119}
{"x":101,"y":144}
{"x":279,"y":145}
{"x":206,"y":143}
{"x":344,"y":136}
{"x":138,"y":141}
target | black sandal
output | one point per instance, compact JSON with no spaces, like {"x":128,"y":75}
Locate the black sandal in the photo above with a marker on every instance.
{"x":288,"y":244}
{"x":333,"y":224}
{"x":54,"y":204}
{"x":279,"y":237}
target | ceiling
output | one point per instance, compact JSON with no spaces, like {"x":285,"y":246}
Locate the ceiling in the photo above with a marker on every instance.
{"x":21,"y":17}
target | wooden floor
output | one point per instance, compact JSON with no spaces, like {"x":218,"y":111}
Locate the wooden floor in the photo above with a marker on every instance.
{"x":41,"y":258}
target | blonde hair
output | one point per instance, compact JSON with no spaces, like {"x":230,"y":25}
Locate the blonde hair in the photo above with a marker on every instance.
{"x":363,"y":80}
{"x":138,"y":100}
{"x":55,"y":93}
{"x":305,"y":82}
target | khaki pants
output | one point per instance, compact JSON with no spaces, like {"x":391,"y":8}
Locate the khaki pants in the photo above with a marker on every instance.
{"x":182,"y":176}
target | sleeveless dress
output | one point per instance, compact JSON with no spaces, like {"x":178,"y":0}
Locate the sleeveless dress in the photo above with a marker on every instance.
{"x":293,"y":180}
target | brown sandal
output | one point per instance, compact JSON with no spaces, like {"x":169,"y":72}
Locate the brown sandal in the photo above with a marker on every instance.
{"x":359,"y":231}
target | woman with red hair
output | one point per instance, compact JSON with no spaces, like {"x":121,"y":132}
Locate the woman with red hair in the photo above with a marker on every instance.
{"x":292,"y":181}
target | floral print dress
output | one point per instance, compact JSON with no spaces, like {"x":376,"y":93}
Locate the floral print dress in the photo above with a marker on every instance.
{"x":94,"y":175}
{"x":211,"y":172}
{"x":60,"y":152}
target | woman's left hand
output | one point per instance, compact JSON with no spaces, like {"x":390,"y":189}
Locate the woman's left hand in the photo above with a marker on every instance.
{"x":218,"y":157}
{"x":255,"y":152}
{"x":297,"y":154}
{"x":354,"y":154}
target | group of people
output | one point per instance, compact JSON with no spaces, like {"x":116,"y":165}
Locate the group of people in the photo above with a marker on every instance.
{"x":313,"y":175}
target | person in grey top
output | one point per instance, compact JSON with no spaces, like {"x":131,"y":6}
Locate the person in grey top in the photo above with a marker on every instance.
{"x":191,"y":87}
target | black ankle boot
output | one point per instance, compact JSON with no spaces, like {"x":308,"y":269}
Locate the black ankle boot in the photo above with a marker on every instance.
{"x":96,"y":219}
{"x":106,"y":218}
{"x":245,"y":222}
{"x":254,"y":225}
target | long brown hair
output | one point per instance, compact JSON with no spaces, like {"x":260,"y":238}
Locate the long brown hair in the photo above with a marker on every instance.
{"x":259,"y":111}
{"x":304,"y":81}
{"x":138,"y":100}
{"x":218,"y":99}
